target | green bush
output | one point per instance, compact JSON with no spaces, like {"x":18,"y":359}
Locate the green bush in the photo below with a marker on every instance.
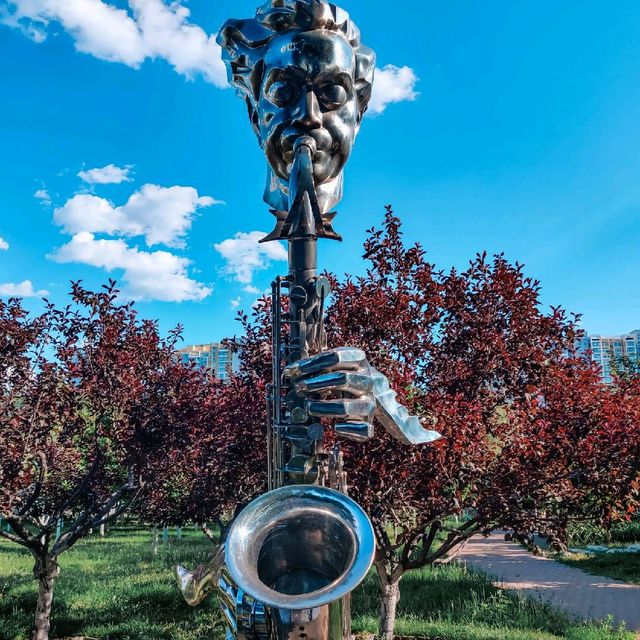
{"x":585,"y":533}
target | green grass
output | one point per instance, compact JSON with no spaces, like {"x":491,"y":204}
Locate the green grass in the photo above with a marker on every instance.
{"x":112,"y":588}
{"x":119,"y":589}
{"x":620,"y":566}
{"x":451,"y":603}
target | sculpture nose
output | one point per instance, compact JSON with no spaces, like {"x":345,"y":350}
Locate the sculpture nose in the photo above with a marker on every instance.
{"x":308,"y":114}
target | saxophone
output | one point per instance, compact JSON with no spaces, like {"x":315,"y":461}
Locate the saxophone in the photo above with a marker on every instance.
{"x":294,"y":555}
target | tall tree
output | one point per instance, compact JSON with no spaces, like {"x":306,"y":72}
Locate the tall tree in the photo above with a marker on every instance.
{"x":531,"y":438}
{"x":220,"y":464}
{"x":90,"y":397}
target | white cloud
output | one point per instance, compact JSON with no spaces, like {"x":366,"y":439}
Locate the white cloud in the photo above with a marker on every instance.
{"x":252,"y":290}
{"x":152,"y":29}
{"x":157,"y":275}
{"x":168,"y":34}
{"x":21,"y":290}
{"x":157,"y":29}
{"x":43,"y":196}
{"x":163,"y":215}
{"x":4,"y":245}
{"x":244,"y":255}
{"x":98,"y":28}
{"x":107,"y":175}
{"x":235,"y":303}
{"x":392,"y":84}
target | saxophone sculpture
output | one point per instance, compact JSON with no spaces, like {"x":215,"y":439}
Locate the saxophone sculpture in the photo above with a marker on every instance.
{"x":294,"y":555}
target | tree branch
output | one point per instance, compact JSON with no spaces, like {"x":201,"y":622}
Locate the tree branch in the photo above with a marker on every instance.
{"x":22,"y":532}
{"x":450,"y":543}
{"x":85,"y":521}
{"x":79,"y":490}
{"x":428,"y":543}
{"x":16,"y":539}
{"x":207,"y":532}
{"x":108,"y":513}
{"x":408,"y":548}
{"x":38,"y":485}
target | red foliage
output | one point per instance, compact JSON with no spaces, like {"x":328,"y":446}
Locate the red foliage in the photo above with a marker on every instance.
{"x":530,"y":435}
{"x":220,"y":463}
{"x":218,"y":466}
{"x":531,"y":438}
{"x":90,"y":398}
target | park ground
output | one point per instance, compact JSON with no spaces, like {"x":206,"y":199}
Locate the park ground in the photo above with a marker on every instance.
{"x":121,"y":588}
{"x":619,"y":567}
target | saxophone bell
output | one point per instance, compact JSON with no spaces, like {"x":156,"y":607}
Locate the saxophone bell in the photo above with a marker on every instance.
{"x":298,"y":550}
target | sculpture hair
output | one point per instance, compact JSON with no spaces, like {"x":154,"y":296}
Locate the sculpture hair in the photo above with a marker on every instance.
{"x":245,"y":42}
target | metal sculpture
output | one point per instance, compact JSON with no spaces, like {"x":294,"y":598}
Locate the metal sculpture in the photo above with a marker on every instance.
{"x":294,"y":555}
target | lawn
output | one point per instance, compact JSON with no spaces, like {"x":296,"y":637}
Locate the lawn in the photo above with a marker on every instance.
{"x":620,"y":566}
{"x":119,"y":588}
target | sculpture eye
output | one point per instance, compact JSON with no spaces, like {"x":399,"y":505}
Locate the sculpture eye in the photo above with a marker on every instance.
{"x":332,"y":96}
{"x":282,"y":93}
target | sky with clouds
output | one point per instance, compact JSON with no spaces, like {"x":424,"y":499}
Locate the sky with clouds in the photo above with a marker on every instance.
{"x":502,"y":126}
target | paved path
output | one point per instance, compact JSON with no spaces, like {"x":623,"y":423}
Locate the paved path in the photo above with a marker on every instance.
{"x":579,"y":593}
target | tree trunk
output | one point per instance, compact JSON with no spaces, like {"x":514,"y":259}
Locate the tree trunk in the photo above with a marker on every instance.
{"x":210,"y":534}
{"x":103,"y":529}
{"x":388,"y":606}
{"x":46,"y":570}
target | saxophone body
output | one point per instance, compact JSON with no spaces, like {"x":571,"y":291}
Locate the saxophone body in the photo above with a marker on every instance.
{"x":294,"y":555}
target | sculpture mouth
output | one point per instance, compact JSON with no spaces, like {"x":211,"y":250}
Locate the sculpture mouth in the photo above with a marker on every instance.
{"x":322,"y":138}
{"x":320,"y":159}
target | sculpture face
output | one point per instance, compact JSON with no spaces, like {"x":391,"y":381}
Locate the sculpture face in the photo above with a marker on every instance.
{"x":303,"y":71}
{"x":308,"y":89}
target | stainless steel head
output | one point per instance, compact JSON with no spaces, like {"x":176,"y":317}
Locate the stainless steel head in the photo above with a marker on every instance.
{"x":302,"y":70}
{"x":300,"y":547}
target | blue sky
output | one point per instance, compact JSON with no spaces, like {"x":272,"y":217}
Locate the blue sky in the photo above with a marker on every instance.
{"x":523,"y":137}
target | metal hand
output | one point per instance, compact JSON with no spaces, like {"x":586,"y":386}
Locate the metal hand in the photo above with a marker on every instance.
{"x":341,"y":384}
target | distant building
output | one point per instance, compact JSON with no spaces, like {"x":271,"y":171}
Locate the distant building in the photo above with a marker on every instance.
{"x":218,"y":359}
{"x":606,"y":351}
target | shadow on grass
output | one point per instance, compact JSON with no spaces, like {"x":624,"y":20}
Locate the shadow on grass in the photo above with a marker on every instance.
{"x":8,"y":549}
{"x":619,"y":566}
{"x":450,"y":603}
{"x":116,"y":588}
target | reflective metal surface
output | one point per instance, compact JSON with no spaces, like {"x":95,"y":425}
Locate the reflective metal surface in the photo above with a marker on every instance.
{"x":197,"y":585}
{"x":302,"y":70}
{"x":300,"y":547}
{"x":340,"y":383}
{"x":395,"y":418}
{"x":294,"y":555}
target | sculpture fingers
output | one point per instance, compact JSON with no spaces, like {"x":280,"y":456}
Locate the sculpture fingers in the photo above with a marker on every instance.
{"x":344,"y":358}
{"x":357,"y":409}
{"x":356,"y":384}
{"x":355,"y":431}
{"x":395,"y":418}
{"x":347,"y":371}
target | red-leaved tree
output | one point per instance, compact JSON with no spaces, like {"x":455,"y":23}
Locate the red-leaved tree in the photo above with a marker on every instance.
{"x":219,"y":464}
{"x":531,"y":438}
{"x":91,"y":397}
